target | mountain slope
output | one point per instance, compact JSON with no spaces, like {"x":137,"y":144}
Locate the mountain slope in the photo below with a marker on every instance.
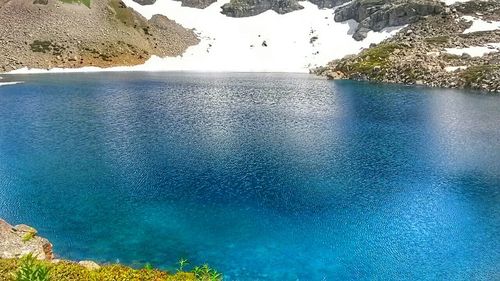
{"x":52,"y":33}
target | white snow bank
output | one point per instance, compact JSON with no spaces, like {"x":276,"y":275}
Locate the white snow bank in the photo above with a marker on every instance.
{"x":455,"y":68}
{"x":477,"y":51}
{"x":451,"y":2}
{"x":295,"y":41}
{"x":9,"y":83}
{"x":481,"y":25}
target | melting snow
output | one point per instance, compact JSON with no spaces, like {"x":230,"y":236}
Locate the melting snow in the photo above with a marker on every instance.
{"x":477,"y":51}
{"x":269,"y":42}
{"x":481,"y":25}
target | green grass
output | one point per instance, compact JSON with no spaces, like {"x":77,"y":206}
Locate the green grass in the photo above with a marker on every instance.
{"x":30,"y":269}
{"x":377,"y":56}
{"x":475,"y":74}
{"x":84,"y":2}
{"x":438,"y":39}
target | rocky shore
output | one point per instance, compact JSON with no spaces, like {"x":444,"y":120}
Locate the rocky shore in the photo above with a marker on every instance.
{"x":54,"y":33}
{"x":23,"y":251}
{"x":458,"y":48}
{"x":17,"y":241}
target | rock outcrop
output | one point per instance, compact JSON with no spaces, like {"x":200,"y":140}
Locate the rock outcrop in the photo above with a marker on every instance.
{"x":17,"y":241}
{"x":199,"y":4}
{"x":106,"y":33}
{"x":378,"y":14}
{"x":142,"y":2}
{"x":247,"y":8}
{"x":425,"y":53}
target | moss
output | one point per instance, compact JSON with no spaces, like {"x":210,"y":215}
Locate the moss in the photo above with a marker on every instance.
{"x":41,"y":46}
{"x":475,"y":74}
{"x":375,"y":57}
{"x":84,"y":2}
{"x":67,"y":271}
{"x":438,"y":39}
{"x":28,"y":236}
{"x":123,"y":13}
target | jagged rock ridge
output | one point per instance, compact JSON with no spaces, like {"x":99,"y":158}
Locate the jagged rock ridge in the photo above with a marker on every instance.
{"x":379,"y":14}
{"x":420,"y":53}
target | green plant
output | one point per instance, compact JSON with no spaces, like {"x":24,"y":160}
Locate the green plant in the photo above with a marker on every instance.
{"x":182,"y":263}
{"x":148,"y":266}
{"x":84,"y":2}
{"x":31,"y":269}
{"x":28,"y":236}
{"x":206,"y":273}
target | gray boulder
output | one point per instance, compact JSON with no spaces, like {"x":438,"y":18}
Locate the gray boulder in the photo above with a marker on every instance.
{"x":248,"y":8}
{"x":145,"y":2}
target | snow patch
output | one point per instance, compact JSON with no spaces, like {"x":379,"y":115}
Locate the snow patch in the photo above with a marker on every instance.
{"x":477,"y":51}
{"x":9,"y":83}
{"x":455,"y":68}
{"x":480,"y":25}
{"x":451,"y":2}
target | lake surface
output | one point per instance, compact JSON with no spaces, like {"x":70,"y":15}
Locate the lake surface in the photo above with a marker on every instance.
{"x":263,"y":176}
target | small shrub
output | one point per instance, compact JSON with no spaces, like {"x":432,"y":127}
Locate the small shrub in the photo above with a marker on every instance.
{"x":31,"y":269}
{"x":182,"y":263}
{"x":206,"y":273}
{"x":28,"y":236}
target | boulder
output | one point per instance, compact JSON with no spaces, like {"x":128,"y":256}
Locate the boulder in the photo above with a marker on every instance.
{"x":17,"y":241}
{"x":145,"y":2}
{"x":248,"y":8}
{"x":90,"y":265}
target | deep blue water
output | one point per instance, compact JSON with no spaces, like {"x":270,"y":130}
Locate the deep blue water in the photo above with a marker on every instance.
{"x":263,"y":176}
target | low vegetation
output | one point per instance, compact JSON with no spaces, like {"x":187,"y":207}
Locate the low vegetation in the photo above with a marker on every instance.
{"x":371,"y":62}
{"x":28,"y":268}
{"x":84,"y":2}
{"x":476,"y":74}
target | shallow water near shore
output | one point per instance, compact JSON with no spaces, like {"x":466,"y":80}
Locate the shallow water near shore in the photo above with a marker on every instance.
{"x":263,"y":176}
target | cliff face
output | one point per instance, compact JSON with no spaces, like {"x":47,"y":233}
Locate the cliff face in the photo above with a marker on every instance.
{"x":446,"y":50}
{"x":379,"y":14}
{"x":105,"y":33}
{"x":247,"y":8}
{"x":199,"y":4}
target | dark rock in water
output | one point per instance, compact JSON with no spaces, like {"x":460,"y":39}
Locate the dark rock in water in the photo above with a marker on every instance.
{"x":248,"y":8}
{"x":17,"y":241}
{"x":145,"y":2}
{"x":379,"y":14}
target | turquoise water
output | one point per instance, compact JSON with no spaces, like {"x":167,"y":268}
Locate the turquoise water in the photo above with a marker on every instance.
{"x":265,"y":177}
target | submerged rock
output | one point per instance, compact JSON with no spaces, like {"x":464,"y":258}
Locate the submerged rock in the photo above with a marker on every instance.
{"x":17,"y":241}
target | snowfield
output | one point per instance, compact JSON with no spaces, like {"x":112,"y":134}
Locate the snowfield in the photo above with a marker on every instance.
{"x":268,"y":42}
{"x":477,"y":51}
